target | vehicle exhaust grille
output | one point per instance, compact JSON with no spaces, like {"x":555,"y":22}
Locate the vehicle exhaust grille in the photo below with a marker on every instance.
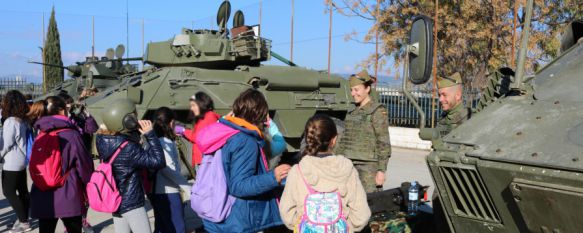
{"x":469,"y":197}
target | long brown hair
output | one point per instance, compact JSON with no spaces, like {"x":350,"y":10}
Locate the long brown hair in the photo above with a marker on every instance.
{"x":14,"y":105}
{"x":37,"y":110}
{"x":318,"y":133}
{"x":251,"y":106}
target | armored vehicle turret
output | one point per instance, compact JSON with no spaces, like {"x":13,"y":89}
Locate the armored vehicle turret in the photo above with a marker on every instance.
{"x":94,"y":73}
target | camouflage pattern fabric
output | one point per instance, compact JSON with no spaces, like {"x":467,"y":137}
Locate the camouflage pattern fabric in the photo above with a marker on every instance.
{"x":366,"y":135}
{"x":452,"y":119}
{"x":390,"y":224}
{"x":367,"y":173}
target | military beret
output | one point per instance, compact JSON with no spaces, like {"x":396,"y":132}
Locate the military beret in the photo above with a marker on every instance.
{"x":360,"y":78}
{"x":452,"y":80}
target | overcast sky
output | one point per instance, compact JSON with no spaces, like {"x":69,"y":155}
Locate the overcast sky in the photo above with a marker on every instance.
{"x":21,"y":29}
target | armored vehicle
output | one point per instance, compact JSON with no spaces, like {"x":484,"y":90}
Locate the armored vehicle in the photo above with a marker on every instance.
{"x":223,"y":63}
{"x":517,"y":164}
{"x":94,"y":73}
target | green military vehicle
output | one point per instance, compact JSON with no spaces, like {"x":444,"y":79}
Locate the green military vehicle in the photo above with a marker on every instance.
{"x":223,"y":63}
{"x":94,"y":73}
{"x":517,"y":164}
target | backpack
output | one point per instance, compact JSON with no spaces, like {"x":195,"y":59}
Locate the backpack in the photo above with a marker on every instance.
{"x":102,"y":192}
{"x":209,"y":196}
{"x":322,"y":212}
{"x":29,"y":143}
{"x":46,"y":169}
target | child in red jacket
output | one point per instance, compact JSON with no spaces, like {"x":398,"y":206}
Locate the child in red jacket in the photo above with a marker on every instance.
{"x":202,"y":110}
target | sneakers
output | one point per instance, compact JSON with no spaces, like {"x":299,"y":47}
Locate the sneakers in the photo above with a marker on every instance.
{"x":86,"y":226}
{"x":20,"y":227}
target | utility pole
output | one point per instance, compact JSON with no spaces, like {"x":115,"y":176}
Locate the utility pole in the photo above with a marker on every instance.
{"x":330,"y":39}
{"x":291,"y":49}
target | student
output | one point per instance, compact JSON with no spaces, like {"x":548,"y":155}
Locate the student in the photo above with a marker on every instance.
{"x":202,"y":112}
{"x":13,"y":154}
{"x":248,"y":178}
{"x":87,"y":126}
{"x":324,"y":172}
{"x":122,"y":126}
{"x":166,"y":200}
{"x":67,"y":202}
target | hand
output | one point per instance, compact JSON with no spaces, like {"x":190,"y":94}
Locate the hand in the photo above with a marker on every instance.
{"x":145,"y":126}
{"x":179,"y":130}
{"x":380,"y":178}
{"x":280,"y":172}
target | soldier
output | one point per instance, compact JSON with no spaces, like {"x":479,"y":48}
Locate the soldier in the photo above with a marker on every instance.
{"x":366,"y":135}
{"x":450,"y":98}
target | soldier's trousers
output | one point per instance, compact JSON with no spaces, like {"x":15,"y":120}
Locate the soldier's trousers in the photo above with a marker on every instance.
{"x":367,"y":173}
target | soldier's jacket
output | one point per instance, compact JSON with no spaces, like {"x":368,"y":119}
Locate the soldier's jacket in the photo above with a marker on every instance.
{"x":452,"y":119}
{"x":366,"y":135}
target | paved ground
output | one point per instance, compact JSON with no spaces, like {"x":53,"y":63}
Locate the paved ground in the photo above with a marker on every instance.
{"x":405,"y":165}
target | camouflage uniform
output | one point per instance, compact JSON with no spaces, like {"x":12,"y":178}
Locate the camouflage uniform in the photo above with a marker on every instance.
{"x":366,"y":142}
{"x":452,"y":119}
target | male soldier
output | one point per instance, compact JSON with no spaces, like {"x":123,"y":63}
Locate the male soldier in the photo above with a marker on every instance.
{"x":450,"y":97}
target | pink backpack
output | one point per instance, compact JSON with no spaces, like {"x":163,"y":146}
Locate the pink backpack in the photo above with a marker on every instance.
{"x":102,"y":191}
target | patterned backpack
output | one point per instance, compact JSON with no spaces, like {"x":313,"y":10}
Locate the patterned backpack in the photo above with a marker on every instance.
{"x":322,"y":212}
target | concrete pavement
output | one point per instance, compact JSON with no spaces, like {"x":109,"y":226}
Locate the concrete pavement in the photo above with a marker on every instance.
{"x":404,"y":165}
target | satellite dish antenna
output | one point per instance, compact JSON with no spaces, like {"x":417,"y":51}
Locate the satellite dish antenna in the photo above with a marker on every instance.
{"x":223,"y":14}
{"x":119,"y":51}
{"x":238,"y":19}
{"x":109,"y":53}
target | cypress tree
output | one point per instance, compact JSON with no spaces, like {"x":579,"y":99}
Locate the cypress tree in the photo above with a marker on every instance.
{"x":52,"y":55}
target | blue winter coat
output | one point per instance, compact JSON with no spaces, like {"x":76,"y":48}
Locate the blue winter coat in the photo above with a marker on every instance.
{"x":249,"y":181}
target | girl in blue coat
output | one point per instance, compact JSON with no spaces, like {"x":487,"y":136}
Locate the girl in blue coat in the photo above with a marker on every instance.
{"x":249,"y":178}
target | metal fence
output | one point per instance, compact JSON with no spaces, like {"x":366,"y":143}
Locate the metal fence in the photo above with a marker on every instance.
{"x":21,"y":84}
{"x":403,"y":114}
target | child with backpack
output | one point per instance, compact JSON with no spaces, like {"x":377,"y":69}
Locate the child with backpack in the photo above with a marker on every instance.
{"x":13,"y":156}
{"x":233,"y":191}
{"x":323,"y":192}
{"x":60,"y":167}
{"x":166,"y":200}
{"x":120,"y":146}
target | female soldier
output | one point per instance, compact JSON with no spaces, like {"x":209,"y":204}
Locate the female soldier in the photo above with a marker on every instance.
{"x":366,"y":134}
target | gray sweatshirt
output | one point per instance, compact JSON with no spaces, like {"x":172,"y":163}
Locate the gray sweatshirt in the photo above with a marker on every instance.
{"x":169,"y":179}
{"x":13,"y":144}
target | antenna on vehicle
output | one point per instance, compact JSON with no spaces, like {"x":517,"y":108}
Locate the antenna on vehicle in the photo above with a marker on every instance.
{"x":517,"y":85}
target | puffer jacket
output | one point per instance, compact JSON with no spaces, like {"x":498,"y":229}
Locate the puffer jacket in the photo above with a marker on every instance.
{"x":129,"y":164}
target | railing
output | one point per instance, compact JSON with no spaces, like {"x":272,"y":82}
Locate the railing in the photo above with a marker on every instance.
{"x":403,"y":114}
{"x":20,"y":84}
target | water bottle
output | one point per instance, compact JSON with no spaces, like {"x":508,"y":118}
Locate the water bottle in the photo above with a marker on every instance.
{"x":413,"y":199}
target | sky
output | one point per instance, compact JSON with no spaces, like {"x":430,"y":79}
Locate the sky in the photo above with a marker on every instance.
{"x":21,"y":29}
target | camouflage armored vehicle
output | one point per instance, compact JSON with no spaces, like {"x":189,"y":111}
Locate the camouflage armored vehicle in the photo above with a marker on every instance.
{"x":517,"y":164}
{"x":94,"y":73}
{"x":223,"y":63}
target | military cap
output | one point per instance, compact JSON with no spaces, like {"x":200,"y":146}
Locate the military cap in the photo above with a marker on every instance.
{"x":452,"y":80}
{"x":360,"y":78}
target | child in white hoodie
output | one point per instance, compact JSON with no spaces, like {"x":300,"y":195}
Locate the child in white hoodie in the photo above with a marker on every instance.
{"x":319,"y":172}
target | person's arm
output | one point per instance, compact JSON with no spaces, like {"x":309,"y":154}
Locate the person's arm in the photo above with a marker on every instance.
{"x":277,"y":145}
{"x":356,"y":203}
{"x":380,"y":121}
{"x":241,"y":158}
{"x":9,"y":134}
{"x":152,"y":157}
{"x":90,"y":124}
{"x":288,"y":205}
{"x":84,"y":163}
